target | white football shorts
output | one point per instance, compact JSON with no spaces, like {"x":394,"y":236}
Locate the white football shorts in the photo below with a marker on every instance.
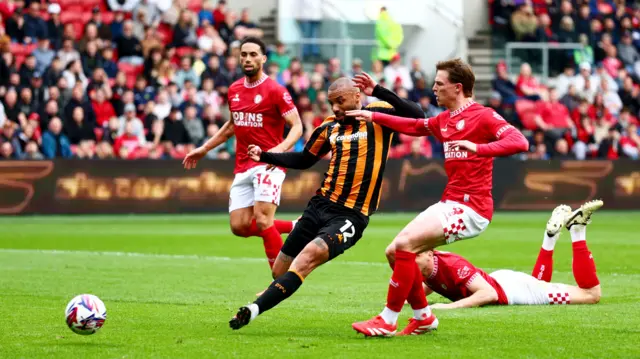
{"x":524,"y":289}
{"x":458,"y":220}
{"x":256,"y":185}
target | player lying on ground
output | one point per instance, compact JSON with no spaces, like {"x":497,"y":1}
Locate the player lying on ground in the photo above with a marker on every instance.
{"x":456,"y":279}
{"x":259,"y":109}
{"x":338,"y":214}
{"x":471,"y":135}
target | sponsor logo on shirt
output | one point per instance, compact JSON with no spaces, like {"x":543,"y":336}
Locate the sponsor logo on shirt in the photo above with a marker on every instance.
{"x":236,"y":98}
{"x":246,"y":119}
{"x":347,"y":138}
{"x":452,"y":152}
{"x":460,"y":125}
{"x":257,"y":99}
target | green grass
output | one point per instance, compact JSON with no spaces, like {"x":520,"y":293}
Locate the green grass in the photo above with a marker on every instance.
{"x":171,"y":283}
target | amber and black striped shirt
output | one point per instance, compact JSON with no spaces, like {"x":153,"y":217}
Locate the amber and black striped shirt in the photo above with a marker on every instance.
{"x":359,"y":152}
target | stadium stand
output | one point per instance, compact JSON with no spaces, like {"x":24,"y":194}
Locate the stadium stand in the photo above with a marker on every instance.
{"x":136,"y":79}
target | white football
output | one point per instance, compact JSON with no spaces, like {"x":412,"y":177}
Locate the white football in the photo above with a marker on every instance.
{"x":85,"y":314}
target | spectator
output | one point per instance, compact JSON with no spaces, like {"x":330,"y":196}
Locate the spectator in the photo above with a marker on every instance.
{"x":544,"y":33}
{"x":67,"y":54}
{"x":571,"y":99}
{"x":154,"y":136}
{"x":91,"y":59}
{"x":54,"y":26}
{"x":26,"y":104}
{"x":54,"y":142}
{"x":193,"y":125}
{"x":584,"y":55}
{"x":389,"y":36}
{"x":563,"y":81}
{"x":230,"y":73}
{"x":295,"y":75}
{"x":397,"y":74}
{"x":102,"y":108}
{"x":117,"y":25}
{"x":108,"y":65}
{"x":562,"y":150}
{"x":553,"y":117}
{"x":566,"y":32}
{"x":129,"y":48}
{"x":11,"y":108}
{"x":6,"y":151}
{"x":78,"y":100}
{"x":54,"y":72}
{"x":221,"y":152}
{"x":527,"y":85}
{"x":32,"y":152}
{"x":10,"y":135}
{"x":630,"y":95}
{"x":220,"y":14}
{"x":280,"y":56}
{"x":27,"y":70}
{"x":629,"y":54}
{"x":15,"y":26}
{"x":610,"y":98}
{"x":104,"y":151}
{"x":416,"y":71}
{"x":175,"y":135}
{"x":78,"y":130}
{"x":90,"y":35}
{"x":136,"y":126}
{"x":586,"y":84}
{"x":126,"y":145}
{"x":611,"y":63}
{"x":43,"y":55}
{"x":186,"y":73}
{"x":583,"y":25}
{"x":184,"y":33}
{"x":630,"y":143}
{"x":524,"y":23}
{"x":163,"y":105}
{"x":142,"y":93}
{"x":566,"y":11}
{"x":610,"y":148}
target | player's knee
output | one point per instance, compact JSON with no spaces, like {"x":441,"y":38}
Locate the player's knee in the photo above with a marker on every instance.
{"x":240,"y":229}
{"x":263,"y":221}
{"x":390,"y":252}
{"x":401,"y":243}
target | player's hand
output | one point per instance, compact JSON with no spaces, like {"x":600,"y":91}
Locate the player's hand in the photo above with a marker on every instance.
{"x":192,"y":158}
{"x":360,"y":115}
{"x":365,"y":83}
{"x":254,"y":152}
{"x":464,"y":145}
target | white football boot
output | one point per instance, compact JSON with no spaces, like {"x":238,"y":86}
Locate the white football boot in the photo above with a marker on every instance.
{"x":583,"y":214}
{"x":558,"y":219}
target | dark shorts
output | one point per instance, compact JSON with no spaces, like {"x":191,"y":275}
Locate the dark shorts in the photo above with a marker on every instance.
{"x":338,"y":226}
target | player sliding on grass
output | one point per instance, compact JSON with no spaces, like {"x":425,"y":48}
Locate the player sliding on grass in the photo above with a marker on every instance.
{"x":456,"y":279}
{"x":260,"y":107}
{"x":472,"y":135}
{"x":338,"y":214}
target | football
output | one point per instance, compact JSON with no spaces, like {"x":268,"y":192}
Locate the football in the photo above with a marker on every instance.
{"x":85,"y":314}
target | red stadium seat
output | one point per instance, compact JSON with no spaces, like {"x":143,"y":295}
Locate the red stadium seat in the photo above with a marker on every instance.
{"x":184,"y":51}
{"x":17,"y":49}
{"x":19,"y":60}
{"x":195,"y":5}
{"x":107,"y":17}
{"x":85,"y":17}
{"x":527,"y":112}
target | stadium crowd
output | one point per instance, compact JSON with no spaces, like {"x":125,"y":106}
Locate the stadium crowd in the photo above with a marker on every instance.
{"x":591,"y":108}
{"x":148,"y":79}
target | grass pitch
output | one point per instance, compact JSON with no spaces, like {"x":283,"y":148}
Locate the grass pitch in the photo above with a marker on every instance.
{"x":171,"y":283}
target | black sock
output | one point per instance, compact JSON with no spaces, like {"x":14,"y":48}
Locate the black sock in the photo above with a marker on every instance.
{"x":279,"y":290}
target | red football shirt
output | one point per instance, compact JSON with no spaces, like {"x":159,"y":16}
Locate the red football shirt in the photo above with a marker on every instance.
{"x":257,"y":111}
{"x":470,"y":176}
{"x":452,"y":274}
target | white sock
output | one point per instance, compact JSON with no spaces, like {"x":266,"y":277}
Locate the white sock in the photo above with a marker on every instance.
{"x":253,"y":307}
{"x":578,"y":232}
{"x":422,"y":313}
{"x":389,"y":316}
{"x":549,"y":243}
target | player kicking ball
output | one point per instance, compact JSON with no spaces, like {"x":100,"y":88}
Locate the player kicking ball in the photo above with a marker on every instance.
{"x":456,"y":279}
{"x":338,"y":214}
{"x":471,"y":135}
{"x":259,"y":107}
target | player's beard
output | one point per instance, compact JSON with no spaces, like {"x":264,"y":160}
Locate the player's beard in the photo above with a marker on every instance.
{"x":251,"y":73}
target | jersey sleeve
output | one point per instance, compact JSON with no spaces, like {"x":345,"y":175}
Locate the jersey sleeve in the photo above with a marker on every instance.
{"x":433,"y":125}
{"x":496,"y":125}
{"x":464,"y":272}
{"x":318,"y":144}
{"x":283,"y":101}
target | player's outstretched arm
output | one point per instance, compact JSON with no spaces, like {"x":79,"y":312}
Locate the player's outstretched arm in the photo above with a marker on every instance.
{"x":483,"y":294}
{"x":408,"y":126}
{"x":402,"y":107}
{"x":295,"y":132}
{"x":225,"y":133}
{"x":295,"y":160}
